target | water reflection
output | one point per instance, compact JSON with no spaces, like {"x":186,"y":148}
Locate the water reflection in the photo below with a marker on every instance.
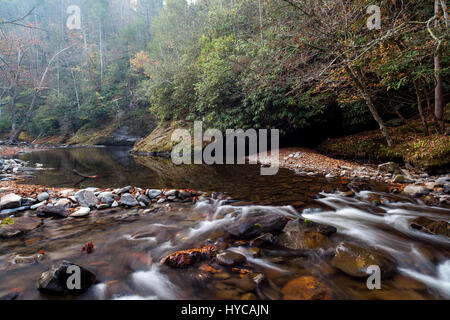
{"x":118,"y":168}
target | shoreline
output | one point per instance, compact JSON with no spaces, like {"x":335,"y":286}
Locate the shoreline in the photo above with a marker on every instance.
{"x":309,"y":163}
{"x":412,"y":182}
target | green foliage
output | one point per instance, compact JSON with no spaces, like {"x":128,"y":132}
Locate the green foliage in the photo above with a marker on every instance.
{"x":232,"y":64}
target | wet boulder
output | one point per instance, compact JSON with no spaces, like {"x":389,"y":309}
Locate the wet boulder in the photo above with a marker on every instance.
{"x":153,"y":193}
{"x":184,"y":194}
{"x":64,"y":203}
{"x":144,"y":199}
{"x":230,"y":259}
{"x":304,"y":234}
{"x":27,"y":202}
{"x":416,"y":191}
{"x":183,"y":259}
{"x":303,"y":240}
{"x":10,"y":201}
{"x":355,"y":261}
{"x":19,"y":226}
{"x":44,"y":196}
{"x":171,"y":193}
{"x":57,"y":280}
{"x":81,"y":212}
{"x":429,"y":226}
{"x":86,"y":198}
{"x":123,"y":190}
{"x":390,"y":167}
{"x":106,"y":197}
{"x":401,"y":178}
{"x":307,"y":288}
{"x":128,"y":200}
{"x":262,"y":240}
{"x":52,"y":212}
{"x":257,"y":224}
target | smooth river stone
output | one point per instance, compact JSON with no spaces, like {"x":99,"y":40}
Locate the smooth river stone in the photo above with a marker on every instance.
{"x":230,"y":259}
{"x":10,"y":201}
{"x":55,"y":280}
{"x":82,"y":212}
{"x":86,"y":198}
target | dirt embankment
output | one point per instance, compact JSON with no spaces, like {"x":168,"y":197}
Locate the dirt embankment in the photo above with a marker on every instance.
{"x":9,"y":151}
{"x":412,"y":147}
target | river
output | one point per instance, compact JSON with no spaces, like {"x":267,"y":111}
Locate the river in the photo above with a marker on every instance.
{"x":128,"y":251}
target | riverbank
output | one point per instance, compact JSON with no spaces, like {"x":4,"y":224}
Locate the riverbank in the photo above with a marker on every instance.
{"x":434,"y":189}
{"x":9,"y":151}
{"x":412,"y":148}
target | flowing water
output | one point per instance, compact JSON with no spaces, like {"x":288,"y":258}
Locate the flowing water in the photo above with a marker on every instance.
{"x":129,"y":245}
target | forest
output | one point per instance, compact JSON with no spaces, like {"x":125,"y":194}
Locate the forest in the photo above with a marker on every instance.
{"x":291,"y":65}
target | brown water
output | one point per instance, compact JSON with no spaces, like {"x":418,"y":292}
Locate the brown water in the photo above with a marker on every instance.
{"x":129,"y":244}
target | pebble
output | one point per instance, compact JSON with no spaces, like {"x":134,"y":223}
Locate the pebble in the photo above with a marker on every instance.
{"x":44,"y":196}
{"x":123,"y":190}
{"x":230,"y":259}
{"x":153,"y":193}
{"x":81,"y":212}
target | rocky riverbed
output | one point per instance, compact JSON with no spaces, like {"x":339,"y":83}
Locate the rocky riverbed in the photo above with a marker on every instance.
{"x":134,"y":243}
{"x":434,"y":189}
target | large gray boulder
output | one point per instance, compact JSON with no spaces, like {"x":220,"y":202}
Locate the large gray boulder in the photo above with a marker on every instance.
{"x":10,"y":201}
{"x":355,"y":261}
{"x":44,"y":196}
{"x":257,"y":224}
{"x":106,"y":197}
{"x":86,"y":198}
{"x":144,"y":199}
{"x":390,"y":167}
{"x":153,"y":193}
{"x":127,"y":199}
{"x":416,"y":191}
{"x":52,"y":212}
{"x":55,"y":281}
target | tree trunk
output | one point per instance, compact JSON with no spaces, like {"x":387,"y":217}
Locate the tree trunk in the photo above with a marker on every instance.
{"x":439,"y":104}
{"x":76,"y":90}
{"x":86,"y":56}
{"x":13,"y":109}
{"x":15,"y":135}
{"x":430,"y":108}
{"x":360,"y":83}
{"x":419,"y":107}
{"x":261,"y":19}
{"x":14,"y":94}
{"x":101,"y":56}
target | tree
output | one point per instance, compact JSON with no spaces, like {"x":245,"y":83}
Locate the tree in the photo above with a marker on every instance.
{"x":439,"y":103}
{"x":36,"y":91}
